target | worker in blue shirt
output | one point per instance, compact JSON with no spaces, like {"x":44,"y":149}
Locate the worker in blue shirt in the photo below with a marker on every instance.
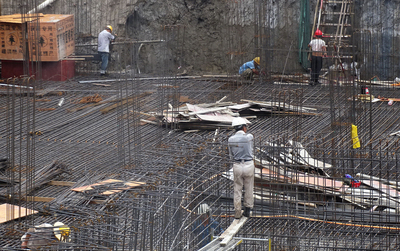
{"x":205,"y":227}
{"x":248,"y":69}
{"x":241,"y":152}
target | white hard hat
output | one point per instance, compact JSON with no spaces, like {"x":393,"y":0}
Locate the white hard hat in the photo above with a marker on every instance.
{"x":237,"y":121}
{"x":203,"y":208}
{"x":61,"y":231}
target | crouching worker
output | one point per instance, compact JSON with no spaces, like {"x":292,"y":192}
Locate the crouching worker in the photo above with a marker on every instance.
{"x":251,"y":68}
{"x":45,"y":235}
{"x":205,"y":227}
{"x":38,"y":237}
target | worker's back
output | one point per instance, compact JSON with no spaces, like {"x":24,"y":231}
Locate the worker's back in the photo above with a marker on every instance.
{"x":241,"y":146}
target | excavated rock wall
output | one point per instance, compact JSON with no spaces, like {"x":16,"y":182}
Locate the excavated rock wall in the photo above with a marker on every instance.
{"x":378,"y":38}
{"x":216,"y":37}
{"x":201,"y":36}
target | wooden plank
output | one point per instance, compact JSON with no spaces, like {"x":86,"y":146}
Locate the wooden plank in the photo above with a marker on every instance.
{"x":97,"y":202}
{"x":146,"y":121}
{"x":274,"y":175}
{"x":109,"y":192}
{"x":381,"y":187}
{"x":319,"y":182}
{"x":61,"y":183}
{"x":101,"y":84}
{"x":74,"y":59}
{"x":90,"y":187}
{"x":264,"y":196}
{"x":84,"y":56}
{"x":367,"y":177}
{"x":39,"y":199}
{"x":232,"y":230}
{"x":212,"y":246}
{"x":118,"y":186}
{"x":387,"y":99}
{"x":10,"y":212}
{"x":215,"y":76}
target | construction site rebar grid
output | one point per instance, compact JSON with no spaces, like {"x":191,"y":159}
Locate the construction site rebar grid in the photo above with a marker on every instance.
{"x":112,"y":160}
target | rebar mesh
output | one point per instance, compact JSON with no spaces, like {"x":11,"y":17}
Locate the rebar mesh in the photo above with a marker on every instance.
{"x":59,"y":137}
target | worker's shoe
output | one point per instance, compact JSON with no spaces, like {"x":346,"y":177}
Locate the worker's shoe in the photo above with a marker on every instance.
{"x":246,"y":212}
{"x":238,"y":214}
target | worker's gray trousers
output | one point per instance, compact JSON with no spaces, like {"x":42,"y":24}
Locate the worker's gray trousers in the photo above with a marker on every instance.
{"x":243,"y":173}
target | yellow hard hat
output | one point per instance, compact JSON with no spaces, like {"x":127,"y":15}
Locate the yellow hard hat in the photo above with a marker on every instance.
{"x":257,"y":60}
{"x":109,"y":27}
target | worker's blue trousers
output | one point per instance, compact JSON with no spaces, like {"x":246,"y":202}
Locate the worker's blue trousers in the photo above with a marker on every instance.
{"x":104,"y":61}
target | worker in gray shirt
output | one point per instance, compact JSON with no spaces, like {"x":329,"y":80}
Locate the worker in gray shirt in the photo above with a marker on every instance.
{"x":241,"y":152}
{"x":103,"y":47}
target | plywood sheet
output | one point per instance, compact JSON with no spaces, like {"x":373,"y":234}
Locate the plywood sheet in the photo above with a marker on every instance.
{"x":10,"y":212}
{"x":240,"y":106}
{"x":216,"y":117}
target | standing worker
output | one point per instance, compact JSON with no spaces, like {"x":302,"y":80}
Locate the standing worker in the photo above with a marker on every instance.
{"x":241,"y":152}
{"x":104,"y":40}
{"x":318,"y":48}
{"x":206,"y":226}
{"x":248,"y":69}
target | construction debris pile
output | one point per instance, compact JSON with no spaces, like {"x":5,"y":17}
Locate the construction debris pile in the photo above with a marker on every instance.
{"x":211,"y":116}
{"x":293,"y":165}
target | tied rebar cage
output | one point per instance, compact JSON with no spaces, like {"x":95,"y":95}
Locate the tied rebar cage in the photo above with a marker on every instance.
{"x":126,"y":162}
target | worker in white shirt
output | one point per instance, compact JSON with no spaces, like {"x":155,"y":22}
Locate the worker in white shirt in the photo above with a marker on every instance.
{"x":241,"y":152}
{"x":318,"y":48}
{"x":103,"y":47}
